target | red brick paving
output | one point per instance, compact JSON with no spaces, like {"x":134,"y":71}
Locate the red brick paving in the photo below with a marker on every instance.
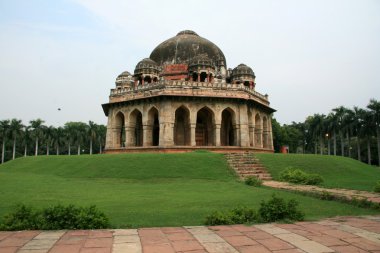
{"x":331,"y":233}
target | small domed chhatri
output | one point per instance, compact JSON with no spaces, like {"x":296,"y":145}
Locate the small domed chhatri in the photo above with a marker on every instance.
{"x":183,"y":97}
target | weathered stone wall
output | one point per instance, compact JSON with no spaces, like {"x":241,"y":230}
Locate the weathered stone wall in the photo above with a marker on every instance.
{"x":251,"y":126}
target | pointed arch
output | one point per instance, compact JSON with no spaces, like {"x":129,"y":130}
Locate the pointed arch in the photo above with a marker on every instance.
{"x":204,"y":130}
{"x":228,"y":133}
{"x":182,"y":126}
{"x":153,"y":127}
{"x":135,"y":124}
{"x":119,"y":130}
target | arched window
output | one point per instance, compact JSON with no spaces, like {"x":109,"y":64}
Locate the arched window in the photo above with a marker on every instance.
{"x":203,"y":77}
{"x":147,"y":79}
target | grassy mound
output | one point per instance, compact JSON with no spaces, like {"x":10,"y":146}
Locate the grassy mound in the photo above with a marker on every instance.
{"x":136,"y":190}
{"x":337,"y":171}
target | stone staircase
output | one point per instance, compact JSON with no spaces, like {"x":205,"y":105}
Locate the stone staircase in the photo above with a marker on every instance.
{"x":246,"y":165}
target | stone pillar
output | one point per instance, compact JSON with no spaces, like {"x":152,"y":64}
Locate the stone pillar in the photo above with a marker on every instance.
{"x":270,"y":134}
{"x":109,"y":136}
{"x":130,"y":136}
{"x":166,"y":125}
{"x":244,"y":130}
{"x":192,"y":134}
{"x":251,"y":135}
{"x":147,"y":136}
{"x":217,"y":135}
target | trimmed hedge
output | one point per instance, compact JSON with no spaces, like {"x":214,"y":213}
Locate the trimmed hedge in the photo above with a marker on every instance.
{"x":54,"y":218}
{"x":253,"y":181}
{"x":297,"y":176}
{"x":275,"y":209}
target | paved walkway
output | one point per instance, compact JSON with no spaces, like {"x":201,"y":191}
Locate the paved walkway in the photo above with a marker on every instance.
{"x":344,"y":234}
{"x":370,"y":196}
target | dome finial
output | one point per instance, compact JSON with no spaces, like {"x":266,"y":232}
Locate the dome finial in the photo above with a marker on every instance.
{"x":187,"y":32}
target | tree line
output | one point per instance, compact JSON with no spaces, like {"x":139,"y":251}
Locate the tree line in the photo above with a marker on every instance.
{"x":36,"y":138}
{"x":352,"y":132}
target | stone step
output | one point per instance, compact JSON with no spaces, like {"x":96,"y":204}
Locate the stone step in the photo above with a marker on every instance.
{"x":246,"y":165}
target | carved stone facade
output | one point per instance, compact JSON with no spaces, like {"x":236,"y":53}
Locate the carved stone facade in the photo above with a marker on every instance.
{"x":183,"y":97}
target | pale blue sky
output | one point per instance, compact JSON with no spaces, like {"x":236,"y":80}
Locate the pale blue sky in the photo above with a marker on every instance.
{"x":309,"y":56}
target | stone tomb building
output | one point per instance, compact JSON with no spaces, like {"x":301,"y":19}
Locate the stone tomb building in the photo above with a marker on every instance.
{"x":183,"y":97}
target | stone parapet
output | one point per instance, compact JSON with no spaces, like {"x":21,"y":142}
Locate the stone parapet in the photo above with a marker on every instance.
{"x":187,"y":88}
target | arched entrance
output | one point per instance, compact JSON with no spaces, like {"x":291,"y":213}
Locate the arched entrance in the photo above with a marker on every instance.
{"x":154,"y":127}
{"x":119,"y":130}
{"x":228,"y":128}
{"x":137,"y":128}
{"x":204,"y":131}
{"x":182,"y":127}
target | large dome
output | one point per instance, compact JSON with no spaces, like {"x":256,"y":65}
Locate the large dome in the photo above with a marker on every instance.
{"x":182,"y":48}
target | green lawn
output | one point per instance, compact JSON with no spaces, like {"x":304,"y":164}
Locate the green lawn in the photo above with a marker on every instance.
{"x":337,"y":171}
{"x":136,"y":190}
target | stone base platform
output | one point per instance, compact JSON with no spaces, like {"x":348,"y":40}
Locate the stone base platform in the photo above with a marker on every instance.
{"x":184,"y":149}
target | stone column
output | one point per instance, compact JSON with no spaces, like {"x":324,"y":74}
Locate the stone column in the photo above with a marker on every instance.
{"x":251,"y":135}
{"x":192,"y":134}
{"x":109,"y":136}
{"x":147,"y":135}
{"x":130,"y":136}
{"x":217,"y":135}
{"x":166,"y":125}
{"x":270,"y":134}
{"x":244,"y":130}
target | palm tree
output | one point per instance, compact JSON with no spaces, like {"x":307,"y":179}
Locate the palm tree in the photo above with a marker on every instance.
{"x":101,"y":133}
{"x":358,"y":118}
{"x":348,"y":122}
{"x":58,"y":134}
{"x":338,"y":125}
{"x":367,"y":132}
{"x":374,"y":107}
{"x":16,"y":127}
{"x":4,"y":134}
{"x":316,"y":128}
{"x":80,"y":134}
{"x":75,"y":132}
{"x":26,"y":139}
{"x":69,"y":134}
{"x":37,"y":126}
{"x":92,"y":132}
{"x":49,"y":135}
